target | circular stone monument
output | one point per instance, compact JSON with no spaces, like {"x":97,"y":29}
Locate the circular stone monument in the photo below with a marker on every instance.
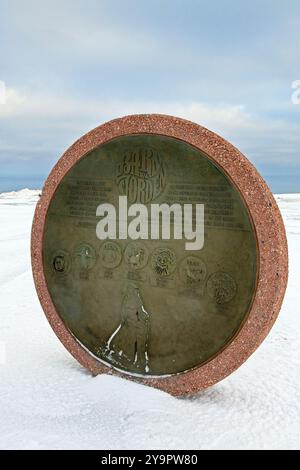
{"x":160,"y":311}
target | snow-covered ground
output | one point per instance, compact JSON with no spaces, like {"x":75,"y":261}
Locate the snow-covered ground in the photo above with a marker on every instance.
{"x":48,"y":401}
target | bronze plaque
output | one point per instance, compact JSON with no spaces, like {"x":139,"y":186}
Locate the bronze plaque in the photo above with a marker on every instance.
{"x":147,"y":306}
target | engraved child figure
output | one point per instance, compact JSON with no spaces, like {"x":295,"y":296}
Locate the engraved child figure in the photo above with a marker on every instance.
{"x":84,"y":257}
{"x":130,"y":340}
{"x":136,"y":258}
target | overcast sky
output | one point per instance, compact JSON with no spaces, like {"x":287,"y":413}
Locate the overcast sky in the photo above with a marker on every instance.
{"x":69,"y":66}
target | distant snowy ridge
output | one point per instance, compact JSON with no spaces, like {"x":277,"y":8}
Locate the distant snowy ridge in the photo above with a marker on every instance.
{"x":22,"y":193}
{"x":24,"y":196}
{"x":290,"y":197}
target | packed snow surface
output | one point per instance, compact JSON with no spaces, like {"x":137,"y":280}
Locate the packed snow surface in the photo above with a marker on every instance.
{"x":48,"y":401}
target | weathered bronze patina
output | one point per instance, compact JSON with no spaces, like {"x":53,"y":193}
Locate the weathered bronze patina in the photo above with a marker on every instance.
{"x":149,"y":306}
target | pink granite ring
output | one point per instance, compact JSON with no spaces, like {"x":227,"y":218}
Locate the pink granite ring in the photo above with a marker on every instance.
{"x":272,"y":255}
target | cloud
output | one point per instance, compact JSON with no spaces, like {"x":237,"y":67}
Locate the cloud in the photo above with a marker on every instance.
{"x":54,"y":121}
{"x":40,"y":105}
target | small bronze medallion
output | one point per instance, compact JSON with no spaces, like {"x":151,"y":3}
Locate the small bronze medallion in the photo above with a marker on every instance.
{"x":60,"y":262}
